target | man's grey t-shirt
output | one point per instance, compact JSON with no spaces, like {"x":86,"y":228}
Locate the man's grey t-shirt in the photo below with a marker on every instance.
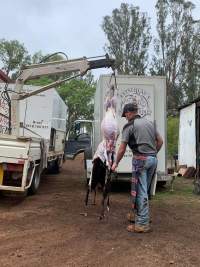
{"x":145,"y":135}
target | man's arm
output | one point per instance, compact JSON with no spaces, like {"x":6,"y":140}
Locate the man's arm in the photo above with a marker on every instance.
{"x":120,"y":154}
{"x":159,"y":141}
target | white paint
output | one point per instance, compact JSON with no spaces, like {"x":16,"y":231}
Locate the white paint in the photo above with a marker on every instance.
{"x":187,"y":137}
{"x":150,"y":93}
{"x":38,"y":113}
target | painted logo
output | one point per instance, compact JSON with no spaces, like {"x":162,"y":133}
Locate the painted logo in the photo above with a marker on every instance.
{"x":139,"y":96}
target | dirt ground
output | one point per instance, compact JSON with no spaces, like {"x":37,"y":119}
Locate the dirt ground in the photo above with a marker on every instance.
{"x":48,"y":229}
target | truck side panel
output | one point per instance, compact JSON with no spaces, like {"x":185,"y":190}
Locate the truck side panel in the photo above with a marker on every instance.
{"x":38,"y":113}
{"x":187,"y":136}
{"x":150,"y":94}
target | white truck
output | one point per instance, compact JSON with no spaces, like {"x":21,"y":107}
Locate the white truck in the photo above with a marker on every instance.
{"x":41,"y":141}
{"x":33,"y":125}
{"x":150,"y":94}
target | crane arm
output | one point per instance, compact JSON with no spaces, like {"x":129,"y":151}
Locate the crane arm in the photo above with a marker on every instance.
{"x":81,"y":65}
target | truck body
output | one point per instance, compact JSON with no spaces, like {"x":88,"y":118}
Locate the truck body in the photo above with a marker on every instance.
{"x":40,"y":143}
{"x":150,"y":94}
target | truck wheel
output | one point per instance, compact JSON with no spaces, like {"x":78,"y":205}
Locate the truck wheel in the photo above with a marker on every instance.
{"x":56,"y":168}
{"x":161,"y":183}
{"x":35,"y":182}
{"x":53,"y":167}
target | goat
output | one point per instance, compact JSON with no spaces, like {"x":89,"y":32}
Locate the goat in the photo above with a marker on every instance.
{"x":100,"y":175}
{"x":104,"y":155}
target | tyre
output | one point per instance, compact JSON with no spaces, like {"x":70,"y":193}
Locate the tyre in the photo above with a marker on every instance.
{"x":161,"y":183}
{"x":54,"y":167}
{"x":35,"y":182}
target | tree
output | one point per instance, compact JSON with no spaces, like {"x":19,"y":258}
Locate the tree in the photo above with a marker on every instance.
{"x":37,"y":57}
{"x":128,"y":35}
{"x":172,"y":135}
{"x":78,"y":95}
{"x":13,"y":54}
{"x":190,"y":81}
{"x":173,"y":50}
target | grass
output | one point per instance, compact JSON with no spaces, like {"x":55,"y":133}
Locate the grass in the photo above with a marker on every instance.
{"x":182,"y":188}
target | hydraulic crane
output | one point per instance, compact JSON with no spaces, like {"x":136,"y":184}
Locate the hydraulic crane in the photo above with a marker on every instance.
{"x":80,"y":66}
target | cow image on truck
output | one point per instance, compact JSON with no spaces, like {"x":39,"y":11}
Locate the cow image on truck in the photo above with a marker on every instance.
{"x":33,"y":123}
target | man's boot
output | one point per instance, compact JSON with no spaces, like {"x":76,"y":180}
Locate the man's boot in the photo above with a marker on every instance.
{"x":131,"y":217}
{"x":136,"y":228}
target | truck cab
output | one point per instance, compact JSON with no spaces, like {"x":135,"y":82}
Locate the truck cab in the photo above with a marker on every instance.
{"x":80,"y":139}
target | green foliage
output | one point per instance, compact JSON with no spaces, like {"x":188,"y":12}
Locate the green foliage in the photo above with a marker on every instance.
{"x":128,"y":35}
{"x":41,"y":81}
{"x":190,"y":74}
{"x":172,"y":135}
{"x":78,"y":94}
{"x":177,"y":50}
{"x":13,"y":54}
{"x":37,"y":57}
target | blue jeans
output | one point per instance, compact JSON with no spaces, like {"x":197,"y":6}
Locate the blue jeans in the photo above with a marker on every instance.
{"x":143,"y":171}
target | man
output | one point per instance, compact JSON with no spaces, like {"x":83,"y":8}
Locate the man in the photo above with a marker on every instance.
{"x":143,"y":139}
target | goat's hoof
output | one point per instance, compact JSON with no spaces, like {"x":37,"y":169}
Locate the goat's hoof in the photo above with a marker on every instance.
{"x":83,"y":214}
{"x":101,"y":217}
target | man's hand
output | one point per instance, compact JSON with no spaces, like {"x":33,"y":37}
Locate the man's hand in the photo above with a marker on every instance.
{"x":159,"y":142}
{"x":114,"y":166}
{"x":120,"y":154}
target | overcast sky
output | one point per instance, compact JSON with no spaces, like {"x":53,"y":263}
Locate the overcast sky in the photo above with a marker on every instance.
{"x":70,"y":26}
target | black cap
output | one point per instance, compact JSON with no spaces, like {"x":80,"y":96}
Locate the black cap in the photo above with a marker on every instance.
{"x":130,"y":107}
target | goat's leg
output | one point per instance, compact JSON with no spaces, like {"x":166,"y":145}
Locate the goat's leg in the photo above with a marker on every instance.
{"x":94,"y":198}
{"x":108,"y":203}
{"x":102,"y":215}
{"x":87,"y":196}
{"x":108,"y":189}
